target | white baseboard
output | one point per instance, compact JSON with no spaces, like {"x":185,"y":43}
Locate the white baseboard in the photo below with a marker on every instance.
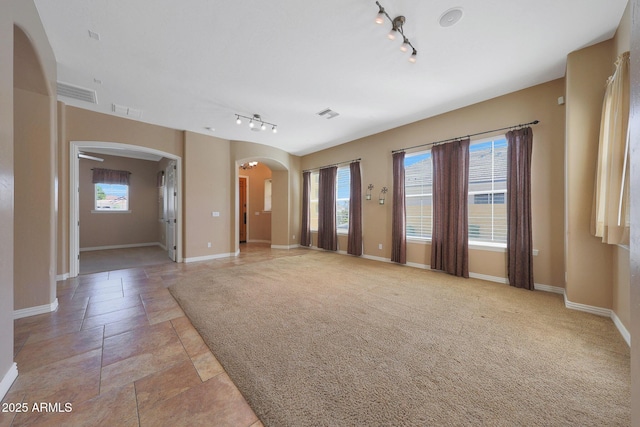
{"x":34,"y":311}
{"x":623,"y":331}
{"x":376,"y":258}
{"x":285,"y":246}
{"x":8,"y":379}
{"x":604,"y":312}
{"x":209,"y":257}
{"x":133,"y":245}
{"x":547,"y":288}
{"x":61,"y":277}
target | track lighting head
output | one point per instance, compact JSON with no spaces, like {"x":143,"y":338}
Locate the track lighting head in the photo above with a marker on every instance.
{"x":414,"y":56}
{"x":405,"y":45}
{"x":238,"y":121}
{"x":381,"y":14}
{"x":262,"y":126}
{"x":251,"y":123}
{"x":274,"y":129}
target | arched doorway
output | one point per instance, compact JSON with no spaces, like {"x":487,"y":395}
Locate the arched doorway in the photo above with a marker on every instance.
{"x":76,"y":148}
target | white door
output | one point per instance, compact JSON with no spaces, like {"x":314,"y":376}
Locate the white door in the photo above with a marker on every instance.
{"x":171,"y":198}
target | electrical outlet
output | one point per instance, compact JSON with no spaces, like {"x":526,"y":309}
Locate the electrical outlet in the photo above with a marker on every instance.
{"x":208,"y":244}
{"x":379,"y":245}
{"x":215,"y":213}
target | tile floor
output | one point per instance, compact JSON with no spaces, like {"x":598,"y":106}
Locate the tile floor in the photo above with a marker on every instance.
{"x":121,"y":352}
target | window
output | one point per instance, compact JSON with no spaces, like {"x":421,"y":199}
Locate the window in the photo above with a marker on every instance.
{"x":418,"y":178}
{"x":313,"y":200}
{"x":343,"y":191}
{"x":111,"y":197}
{"x":487,"y":190}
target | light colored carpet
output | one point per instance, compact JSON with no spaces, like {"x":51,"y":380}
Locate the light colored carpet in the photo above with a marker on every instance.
{"x":330,"y":340}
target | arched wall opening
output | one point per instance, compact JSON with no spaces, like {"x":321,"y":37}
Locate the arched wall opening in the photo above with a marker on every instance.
{"x":75,"y":148}
{"x":279,"y":236}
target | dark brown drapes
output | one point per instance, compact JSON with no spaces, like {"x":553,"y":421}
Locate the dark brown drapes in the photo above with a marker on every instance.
{"x":450,"y":241}
{"x":519,"y":235}
{"x":354,"y":245}
{"x":327,"y":233}
{"x":305,"y":233}
{"x":109,"y":176}
{"x":398,"y":214}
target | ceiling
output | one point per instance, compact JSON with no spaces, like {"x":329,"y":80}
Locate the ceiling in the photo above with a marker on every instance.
{"x":195,"y":64}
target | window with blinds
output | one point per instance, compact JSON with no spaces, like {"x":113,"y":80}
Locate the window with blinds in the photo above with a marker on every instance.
{"x":488,"y":190}
{"x":343,"y":192}
{"x":313,"y":200}
{"x":418,"y":178}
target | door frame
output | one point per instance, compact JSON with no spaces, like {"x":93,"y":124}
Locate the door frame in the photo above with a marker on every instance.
{"x":75,"y":148}
{"x":246,"y":229}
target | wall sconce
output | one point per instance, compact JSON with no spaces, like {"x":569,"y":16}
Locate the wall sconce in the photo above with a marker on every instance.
{"x":382,"y":195}
{"x":368,"y":195}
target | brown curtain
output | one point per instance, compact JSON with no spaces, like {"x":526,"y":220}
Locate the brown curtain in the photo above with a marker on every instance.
{"x":327,"y":233}
{"x":305,"y":234}
{"x":354,"y":245}
{"x":398,"y":214}
{"x":450,"y":240}
{"x":519,"y":240}
{"x":109,"y":176}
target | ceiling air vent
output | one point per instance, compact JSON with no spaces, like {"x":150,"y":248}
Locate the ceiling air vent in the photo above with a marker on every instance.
{"x":76,"y":92}
{"x":328,"y":113}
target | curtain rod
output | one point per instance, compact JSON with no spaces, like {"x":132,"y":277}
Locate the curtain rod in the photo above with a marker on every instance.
{"x":535,"y":122}
{"x":334,"y":164}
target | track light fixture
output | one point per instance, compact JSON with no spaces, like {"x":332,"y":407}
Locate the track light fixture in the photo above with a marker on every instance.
{"x":256,"y":123}
{"x":397,"y":31}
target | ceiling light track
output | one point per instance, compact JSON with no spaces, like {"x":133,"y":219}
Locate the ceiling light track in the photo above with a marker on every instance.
{"x":397,"y":31}
{"x":256,"y":122}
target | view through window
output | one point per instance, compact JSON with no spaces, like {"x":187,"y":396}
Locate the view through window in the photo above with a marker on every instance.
{"x":111,"y":197}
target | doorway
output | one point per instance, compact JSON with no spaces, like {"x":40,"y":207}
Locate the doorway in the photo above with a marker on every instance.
{"x":242,"y":208}
{"x":170,"y":207}
{"x":173,"y":203}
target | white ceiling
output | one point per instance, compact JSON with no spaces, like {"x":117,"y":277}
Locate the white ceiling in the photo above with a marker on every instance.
{"x":194,"y":64}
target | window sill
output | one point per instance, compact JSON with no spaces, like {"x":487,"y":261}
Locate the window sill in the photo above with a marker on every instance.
{"x":101,"y":211}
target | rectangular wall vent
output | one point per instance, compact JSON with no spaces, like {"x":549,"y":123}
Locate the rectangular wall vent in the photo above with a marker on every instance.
{"x":328,"y":113}
{"x":126,"y":111}
{"x":77,"y":92}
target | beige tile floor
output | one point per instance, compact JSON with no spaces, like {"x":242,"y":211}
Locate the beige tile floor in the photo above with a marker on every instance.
{"x":120,"y":351}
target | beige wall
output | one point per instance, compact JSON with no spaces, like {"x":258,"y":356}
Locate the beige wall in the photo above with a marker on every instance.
{"x":34,"y":178}
{"x":621,"y":276}
{"x":140,"y":226}
{"x":23,"y":14}
{"x":207,"y":188}
{"x":589,"y":261}
{"x":634,"y":149}
{"x":258,"y":220}
{"x":539,"y":102}
{"x":6,"y":184}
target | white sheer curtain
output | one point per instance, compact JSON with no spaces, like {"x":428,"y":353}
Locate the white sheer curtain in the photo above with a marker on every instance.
{"x":610,"y":215}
